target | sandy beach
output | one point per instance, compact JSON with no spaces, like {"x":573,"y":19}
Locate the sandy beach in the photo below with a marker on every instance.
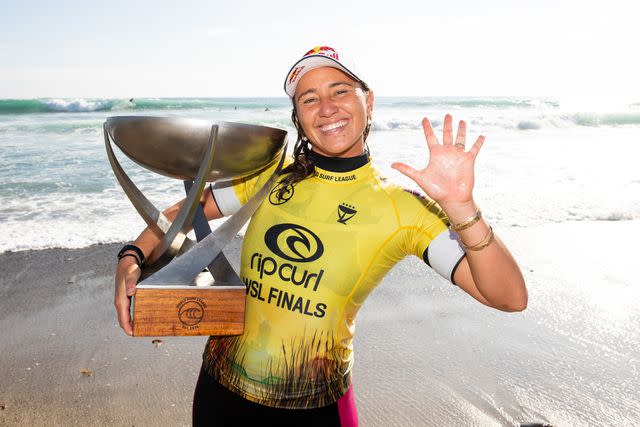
{"x":551,"y":88}
{"x":426,"y":354}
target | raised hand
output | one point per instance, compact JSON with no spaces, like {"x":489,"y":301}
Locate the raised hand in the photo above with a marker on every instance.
{"x":448,"y":177}
{"x":489,"y":273}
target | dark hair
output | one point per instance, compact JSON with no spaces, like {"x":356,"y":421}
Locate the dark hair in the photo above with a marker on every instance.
{"x":303,"y":165}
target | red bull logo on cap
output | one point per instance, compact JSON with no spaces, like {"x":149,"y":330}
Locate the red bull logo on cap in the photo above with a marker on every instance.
{"x":310,"y":60}
{"x":324,"y":51}
{"x":294,"y":74}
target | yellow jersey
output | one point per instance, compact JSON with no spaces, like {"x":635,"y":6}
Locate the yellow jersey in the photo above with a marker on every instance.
{"x":309,"y":260}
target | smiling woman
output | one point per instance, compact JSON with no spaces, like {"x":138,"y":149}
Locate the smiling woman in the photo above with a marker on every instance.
{"x":292,"y":365}
{"x":333,"y":110}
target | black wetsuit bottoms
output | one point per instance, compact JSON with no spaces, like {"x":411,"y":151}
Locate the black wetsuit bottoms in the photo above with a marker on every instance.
{"x":214,"y":405}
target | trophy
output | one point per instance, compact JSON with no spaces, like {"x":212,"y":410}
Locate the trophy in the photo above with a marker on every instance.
{"x":188,"y":287}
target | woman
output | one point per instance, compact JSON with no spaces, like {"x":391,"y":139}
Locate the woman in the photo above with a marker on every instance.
{"x":331,"y":229}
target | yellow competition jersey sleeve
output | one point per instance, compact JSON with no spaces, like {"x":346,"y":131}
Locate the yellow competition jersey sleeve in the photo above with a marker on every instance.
{"x":309,"y":260}
{"x":231,"y":195}
{"x":430,"y":238}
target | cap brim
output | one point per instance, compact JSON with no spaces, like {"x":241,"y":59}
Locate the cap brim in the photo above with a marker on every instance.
{"x":309,"y":63}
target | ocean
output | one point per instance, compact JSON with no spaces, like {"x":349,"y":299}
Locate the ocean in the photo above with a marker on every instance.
{"x":558,"y":181}
{"x":542,"y":162}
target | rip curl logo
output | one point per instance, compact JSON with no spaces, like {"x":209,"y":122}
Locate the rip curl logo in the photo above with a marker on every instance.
{"x":191,"y":312}
{"x":294,"y":243}
{"x":275,"y":198}
{"x":345,"y":213}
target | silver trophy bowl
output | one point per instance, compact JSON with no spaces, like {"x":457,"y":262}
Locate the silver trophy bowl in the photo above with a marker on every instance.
{"x":197,"y":152}
{"x":175,"y":147}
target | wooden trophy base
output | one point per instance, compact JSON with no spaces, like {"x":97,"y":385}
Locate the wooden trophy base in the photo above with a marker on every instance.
{"x":188,"y":310}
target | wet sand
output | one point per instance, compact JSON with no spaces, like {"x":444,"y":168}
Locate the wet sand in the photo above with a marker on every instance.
{"x":425,"y":353}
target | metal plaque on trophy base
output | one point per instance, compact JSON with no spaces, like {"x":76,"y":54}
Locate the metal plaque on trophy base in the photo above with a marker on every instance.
{"x":188,"y":287}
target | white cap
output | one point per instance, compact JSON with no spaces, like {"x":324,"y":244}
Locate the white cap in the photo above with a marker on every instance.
{"x":319,"y":56}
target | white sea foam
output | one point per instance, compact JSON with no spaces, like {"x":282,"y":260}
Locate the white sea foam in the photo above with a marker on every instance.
{"x":78,"y":105}
{"x":538,"y":165}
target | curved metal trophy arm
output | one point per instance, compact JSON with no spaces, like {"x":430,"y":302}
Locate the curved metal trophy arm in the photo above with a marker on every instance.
{"x":220,"y":268}
{"x":154,"y":218}
{"x":149,"y":213}
{"x":175,"y":237}
{"x":181,"y":270}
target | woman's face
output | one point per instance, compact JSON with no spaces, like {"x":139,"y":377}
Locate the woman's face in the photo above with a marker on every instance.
{"x":333,"y":111}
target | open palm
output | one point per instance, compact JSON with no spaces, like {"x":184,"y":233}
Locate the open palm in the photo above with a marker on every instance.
{"x":448,"y":177}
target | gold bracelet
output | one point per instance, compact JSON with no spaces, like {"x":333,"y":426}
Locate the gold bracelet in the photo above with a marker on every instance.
{"x":467,"y":222}
{"x":483,"y":244}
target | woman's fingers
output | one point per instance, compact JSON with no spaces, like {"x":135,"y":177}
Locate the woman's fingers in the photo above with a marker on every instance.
{"x":123,"y":306}
{"x":405,"y":169}
{"x":461,"y":136}
{"x":126,"y":279}
{"x":131,"y":279}
{"x":124,"y":316}
{"x":447,"y":130}
{"x":475,"y":149}
{"x":428,"y":133}
{"x":447,"y":136}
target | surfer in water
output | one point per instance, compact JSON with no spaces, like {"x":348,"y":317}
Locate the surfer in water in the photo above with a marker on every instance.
{"x":328,"y":233}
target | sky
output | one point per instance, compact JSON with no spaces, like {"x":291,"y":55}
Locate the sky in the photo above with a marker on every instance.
{"x":580,"y":49}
